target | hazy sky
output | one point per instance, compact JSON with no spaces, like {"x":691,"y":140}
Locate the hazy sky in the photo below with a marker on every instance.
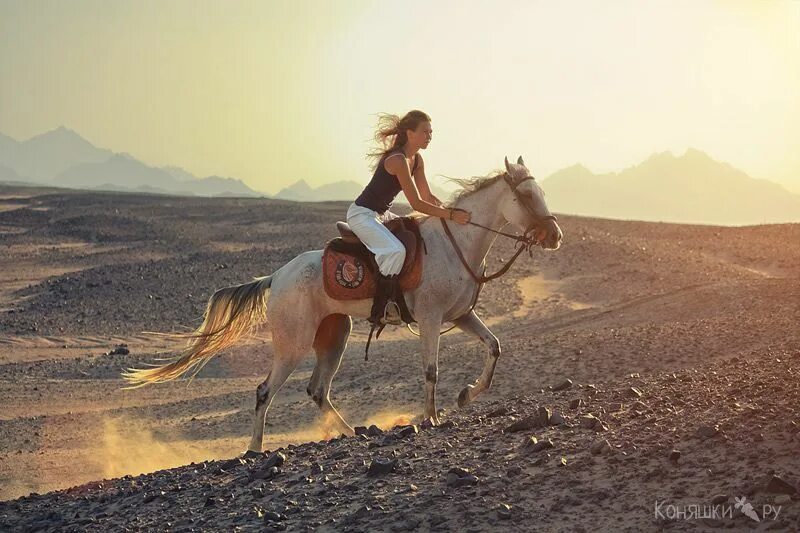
{"x":272,"y":92}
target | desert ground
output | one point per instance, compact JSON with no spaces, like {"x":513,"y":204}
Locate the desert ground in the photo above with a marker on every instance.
{"x":648,"y":369}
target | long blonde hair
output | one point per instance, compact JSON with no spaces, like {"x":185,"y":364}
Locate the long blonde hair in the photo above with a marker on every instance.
{"x":391,"y":133}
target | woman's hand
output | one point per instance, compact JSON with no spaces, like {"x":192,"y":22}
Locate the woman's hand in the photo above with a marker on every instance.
{"x":460,"y":216}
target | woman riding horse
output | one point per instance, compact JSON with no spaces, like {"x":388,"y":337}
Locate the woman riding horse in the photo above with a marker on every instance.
{"x":399,"y":167}
{"x":302,"y":317}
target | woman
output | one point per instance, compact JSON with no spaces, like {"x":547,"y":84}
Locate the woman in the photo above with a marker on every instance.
{"x":399,"y":168}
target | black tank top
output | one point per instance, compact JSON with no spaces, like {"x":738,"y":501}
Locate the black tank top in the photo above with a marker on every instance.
{"x":381,"y":190}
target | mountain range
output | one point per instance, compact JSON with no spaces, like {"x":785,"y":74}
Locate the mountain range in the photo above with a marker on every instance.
{"x":63,"y":158}
{"x":692,"y":188}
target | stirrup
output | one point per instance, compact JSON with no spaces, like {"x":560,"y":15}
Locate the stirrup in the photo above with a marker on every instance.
{"x":391,"y":314}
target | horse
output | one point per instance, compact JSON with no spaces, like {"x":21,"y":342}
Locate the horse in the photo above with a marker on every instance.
{"x":302,"y":317}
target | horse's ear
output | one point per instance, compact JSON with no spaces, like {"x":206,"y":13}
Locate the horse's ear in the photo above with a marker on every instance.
{"x":508,"y":166}
{"x":520,"y":161}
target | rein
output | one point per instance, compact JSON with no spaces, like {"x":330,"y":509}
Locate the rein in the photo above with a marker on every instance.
{"x":524,"y":241}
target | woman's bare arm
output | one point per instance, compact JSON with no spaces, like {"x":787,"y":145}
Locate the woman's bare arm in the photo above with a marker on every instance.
{"x":398,"y":166}
{"x":422,"y":183}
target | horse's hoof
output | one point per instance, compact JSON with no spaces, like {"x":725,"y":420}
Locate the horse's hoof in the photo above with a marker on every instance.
{"x":463,"y":397}
{"x":429,"y":421}
{"x":250,"y":454}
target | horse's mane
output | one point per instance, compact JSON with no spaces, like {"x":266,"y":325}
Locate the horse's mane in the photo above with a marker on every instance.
{"x":468,"y":186}
{"x":472,"y":185}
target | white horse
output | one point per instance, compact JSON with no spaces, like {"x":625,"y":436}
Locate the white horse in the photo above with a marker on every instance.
{"x":302,"y":317}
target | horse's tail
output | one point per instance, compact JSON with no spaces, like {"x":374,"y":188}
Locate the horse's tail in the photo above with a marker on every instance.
{"x":231,"y":312}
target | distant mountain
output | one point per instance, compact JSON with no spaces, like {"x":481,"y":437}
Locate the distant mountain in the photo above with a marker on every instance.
{"x":122,"y":172}
{"x":692,"y":188}
{"x":220,"y":186}
{"x":179,"y":174}
{"x":46,"y":155}
{"x":8,"y":174}
{"x":119,"y":169}
{"x":7,"y":147}
{"x":301,"y":191}
{"x":63,"y":158}
{"x":210,"y":186}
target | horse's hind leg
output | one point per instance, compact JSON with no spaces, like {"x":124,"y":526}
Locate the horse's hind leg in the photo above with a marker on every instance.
{"x":470,"y":323}
{"x":329,"y":344}
{"x":289,"y":347}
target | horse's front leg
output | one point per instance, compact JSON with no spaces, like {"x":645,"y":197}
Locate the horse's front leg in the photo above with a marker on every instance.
{"x":470,"y":323}
{"x":429,"y":326}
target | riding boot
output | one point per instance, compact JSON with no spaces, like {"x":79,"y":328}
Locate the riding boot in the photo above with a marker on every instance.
{"x":384,"y":307}
{"x":391,"y":311}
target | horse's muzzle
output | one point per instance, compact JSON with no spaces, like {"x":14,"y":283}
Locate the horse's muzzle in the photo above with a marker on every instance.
{"x":551,"y":240}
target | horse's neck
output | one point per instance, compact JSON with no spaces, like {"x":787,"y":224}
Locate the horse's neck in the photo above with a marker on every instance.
{"x":484,"y":206}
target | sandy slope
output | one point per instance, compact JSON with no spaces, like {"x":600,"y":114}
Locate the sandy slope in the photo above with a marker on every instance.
{"x":702,"y":314}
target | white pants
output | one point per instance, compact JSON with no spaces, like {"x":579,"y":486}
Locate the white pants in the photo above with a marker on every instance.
{"x":368,"y":225}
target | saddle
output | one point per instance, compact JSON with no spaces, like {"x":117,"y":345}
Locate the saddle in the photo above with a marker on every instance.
{"x":349,"y":268}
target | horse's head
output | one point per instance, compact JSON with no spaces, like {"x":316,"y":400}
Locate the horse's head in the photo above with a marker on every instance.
{"x":525,"y":207}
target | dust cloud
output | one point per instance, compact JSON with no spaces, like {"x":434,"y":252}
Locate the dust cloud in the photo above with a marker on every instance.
{"x":127,"y":446}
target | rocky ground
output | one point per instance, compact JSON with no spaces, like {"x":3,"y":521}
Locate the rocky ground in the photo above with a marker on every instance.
{"x":649,"y":381}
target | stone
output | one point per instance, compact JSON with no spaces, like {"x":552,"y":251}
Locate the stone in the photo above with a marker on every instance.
{"x":564,"y":385}
{"x":454,"y":481}
{"x":674,"y":455}
{"x":274,"y":459}
{"x":381,"y":466}
{"x":374,"y":431}
{"x":633,"y":392}
{"x":264,"y":473}
{"x":777,"y":485}
{"x":460,"y":477}
{"x":535,"y":445}
{"x":556,"y":419}
{"x":272,"y":516}
{"x":504,"y":511}
{"x":457,"y":470}
{"x":589,"y":421}
{"x":407,"y":431}
{"x":576,"y":403}
{"x":500,"y":411}
{"x":530,"y":422}
{"x":544,"y":415}
{"x":514,"y":471}
{"x":601,"y":447}
{"x":119,"y":349}
{"x":707,"y":431}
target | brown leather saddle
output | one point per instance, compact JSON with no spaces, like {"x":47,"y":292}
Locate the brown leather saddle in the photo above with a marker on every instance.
{"x":348,"y":267}
{"x":404,"y":228}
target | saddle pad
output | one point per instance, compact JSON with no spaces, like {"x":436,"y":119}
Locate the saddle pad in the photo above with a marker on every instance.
{"x":349,"y":275}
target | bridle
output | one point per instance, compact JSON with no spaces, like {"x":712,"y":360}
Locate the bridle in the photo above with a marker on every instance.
{"x":526,"y":241}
